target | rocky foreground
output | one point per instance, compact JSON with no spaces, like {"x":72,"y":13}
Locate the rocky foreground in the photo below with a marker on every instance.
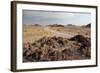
{"x":57,"y":49}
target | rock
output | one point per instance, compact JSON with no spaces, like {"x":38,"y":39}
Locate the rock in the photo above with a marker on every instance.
{"x":81,"y":39}
{"x":57,"y":49}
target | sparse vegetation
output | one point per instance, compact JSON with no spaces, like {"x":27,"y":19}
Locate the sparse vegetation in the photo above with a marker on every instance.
{"x":55,"y":43}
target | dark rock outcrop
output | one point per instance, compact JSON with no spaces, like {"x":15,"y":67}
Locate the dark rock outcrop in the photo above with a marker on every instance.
{"x":57,"y":49}
{"x":81,"y":39}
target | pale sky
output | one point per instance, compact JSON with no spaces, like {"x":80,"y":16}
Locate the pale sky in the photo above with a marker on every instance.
{"x":55,"y":17}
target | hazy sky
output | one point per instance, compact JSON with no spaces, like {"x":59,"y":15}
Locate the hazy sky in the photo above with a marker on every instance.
{"x":51,"y":17}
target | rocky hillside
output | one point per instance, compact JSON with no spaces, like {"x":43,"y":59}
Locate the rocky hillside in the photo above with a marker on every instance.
{"x":57,"y":49}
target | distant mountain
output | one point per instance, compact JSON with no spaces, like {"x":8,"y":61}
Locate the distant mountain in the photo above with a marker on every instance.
{"x":70,"y":25}
{"x":56,"y":25}
{"x":37,"y":25}
{"x":88,"y":25}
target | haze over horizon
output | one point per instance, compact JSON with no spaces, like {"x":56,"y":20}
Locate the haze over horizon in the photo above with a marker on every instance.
{"x":54,"y":17}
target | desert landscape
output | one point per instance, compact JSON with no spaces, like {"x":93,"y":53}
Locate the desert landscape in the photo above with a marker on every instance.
{"x":56,"y":42}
